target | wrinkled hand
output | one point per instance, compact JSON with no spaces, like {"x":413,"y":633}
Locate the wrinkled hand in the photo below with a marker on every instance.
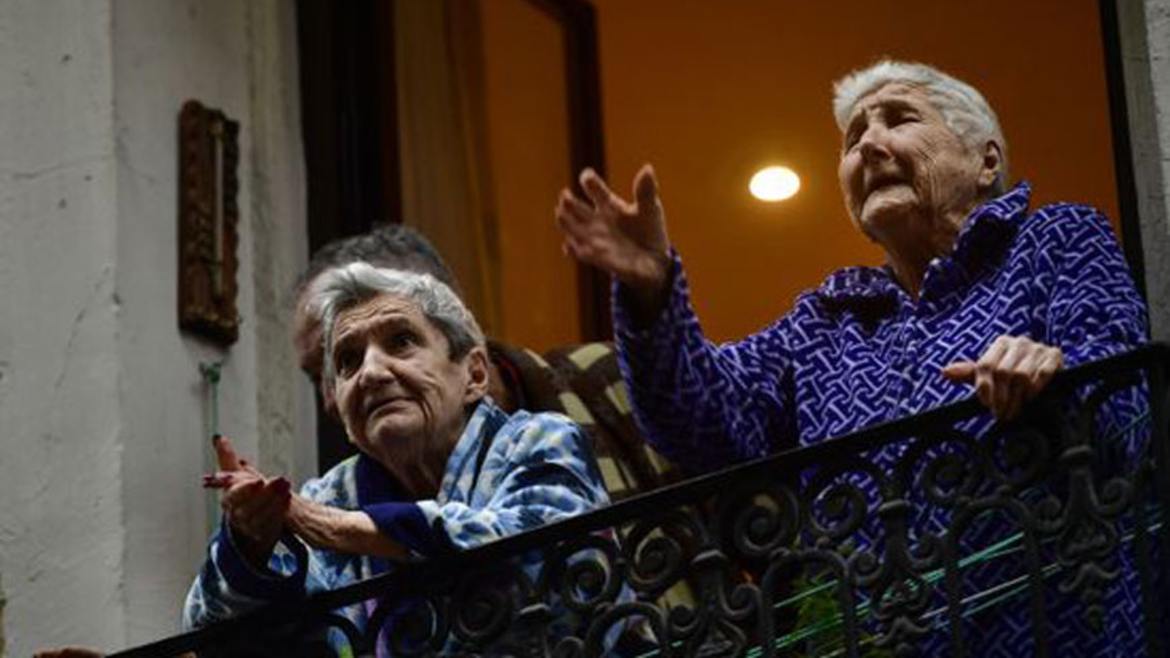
{"x":82,"y":652}
{"x":255,"y":506}
{"x":68,"y":652}
{"x":627,"y":240}
{"x":1010,"y":372}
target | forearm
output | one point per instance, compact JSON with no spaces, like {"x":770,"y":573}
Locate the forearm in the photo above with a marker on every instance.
{"x":690,"y":395}
{"x":339,"y":530}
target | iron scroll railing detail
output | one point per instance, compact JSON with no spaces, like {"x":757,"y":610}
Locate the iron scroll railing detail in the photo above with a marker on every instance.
{"x":832,"y":549}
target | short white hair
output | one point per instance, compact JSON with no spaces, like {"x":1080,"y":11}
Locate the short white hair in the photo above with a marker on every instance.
{"x":964,"y":109}
{"x":341,"y":288}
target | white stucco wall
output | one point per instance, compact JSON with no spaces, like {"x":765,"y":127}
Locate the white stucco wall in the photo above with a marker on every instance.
{"x":102,"y":519}
{"x":1145,"y":45}
{"x":61,"y":514}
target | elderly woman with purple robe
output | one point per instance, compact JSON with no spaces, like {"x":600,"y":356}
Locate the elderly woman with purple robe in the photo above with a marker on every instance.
{"x":980,"y":292}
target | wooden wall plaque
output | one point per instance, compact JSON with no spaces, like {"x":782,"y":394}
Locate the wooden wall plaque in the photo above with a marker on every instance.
{"x":209,"y":156}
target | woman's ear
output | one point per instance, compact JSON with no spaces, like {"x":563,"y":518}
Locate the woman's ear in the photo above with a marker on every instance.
{"x":329,"y":397}
{"x":991,"y":167}
{"x":477,"y":374}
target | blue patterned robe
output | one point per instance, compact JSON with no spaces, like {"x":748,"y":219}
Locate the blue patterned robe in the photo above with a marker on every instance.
{"x":539,"y":468}
{"x":858,"y":351}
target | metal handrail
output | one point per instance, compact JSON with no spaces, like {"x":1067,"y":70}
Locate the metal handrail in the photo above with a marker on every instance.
{"x":415,"y":576}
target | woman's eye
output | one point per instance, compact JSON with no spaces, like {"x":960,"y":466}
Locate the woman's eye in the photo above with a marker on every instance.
{"x":904,"y":118}
{"x":346,"y":362}
{"x":402,"y":339}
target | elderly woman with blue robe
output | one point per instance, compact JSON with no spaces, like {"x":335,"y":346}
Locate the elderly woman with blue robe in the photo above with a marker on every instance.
{"x":440,"y":466}
{"x":980,"y":292}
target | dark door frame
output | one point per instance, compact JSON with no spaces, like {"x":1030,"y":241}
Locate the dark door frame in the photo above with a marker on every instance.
{"x":578,"y":20}
{"x":1127,"y":195}
{"x":349,"y":123}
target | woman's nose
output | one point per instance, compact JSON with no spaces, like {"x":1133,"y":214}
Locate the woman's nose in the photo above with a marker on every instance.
{"x":376,"y":367}
{"x":873,"y":144}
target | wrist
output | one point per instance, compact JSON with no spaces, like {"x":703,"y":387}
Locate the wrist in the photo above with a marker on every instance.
{"x":255,"y":551}
{"x":327,"y":527}
{"x":649,"y":291}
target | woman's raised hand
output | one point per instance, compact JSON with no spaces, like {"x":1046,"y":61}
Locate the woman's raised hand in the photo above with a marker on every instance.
{"x":256,"y":507}
{"x":627,"y":240}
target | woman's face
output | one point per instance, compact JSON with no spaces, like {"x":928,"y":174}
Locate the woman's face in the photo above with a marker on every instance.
{"x":902,"y":171}
{"x":398,"y":392}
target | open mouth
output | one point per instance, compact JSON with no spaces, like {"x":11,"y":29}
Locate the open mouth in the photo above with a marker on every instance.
{"x":881,"y":182}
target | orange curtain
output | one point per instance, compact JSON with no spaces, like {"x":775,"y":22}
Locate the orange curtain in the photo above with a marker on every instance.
{"x":446,"y":184}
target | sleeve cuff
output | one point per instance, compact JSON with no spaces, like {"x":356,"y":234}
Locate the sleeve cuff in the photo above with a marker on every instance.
{"x":406,"y":524}
{"x":246,"y":579}
{"x":625,"y":328}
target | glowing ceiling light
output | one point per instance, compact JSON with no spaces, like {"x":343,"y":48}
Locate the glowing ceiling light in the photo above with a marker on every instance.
{"x":774,"y":184}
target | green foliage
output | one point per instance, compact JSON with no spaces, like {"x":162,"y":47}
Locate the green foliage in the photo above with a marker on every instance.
{"x":819,"y":631}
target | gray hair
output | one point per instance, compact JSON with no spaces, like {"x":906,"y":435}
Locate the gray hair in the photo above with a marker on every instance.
{"x":341,"y":288}
{"x":964,"y":109}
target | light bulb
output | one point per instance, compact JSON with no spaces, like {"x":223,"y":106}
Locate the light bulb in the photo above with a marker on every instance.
{"x":774,"y":184}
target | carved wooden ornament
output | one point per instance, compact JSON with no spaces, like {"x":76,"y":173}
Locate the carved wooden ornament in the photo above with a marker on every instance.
{"x":209,"y":155}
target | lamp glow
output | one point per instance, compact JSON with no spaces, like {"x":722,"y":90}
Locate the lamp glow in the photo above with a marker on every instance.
{"x":774,"y":184}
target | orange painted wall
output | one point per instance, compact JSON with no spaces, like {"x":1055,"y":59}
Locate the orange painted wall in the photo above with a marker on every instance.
{"x":527,"y":121}
{"x":711,"y":91}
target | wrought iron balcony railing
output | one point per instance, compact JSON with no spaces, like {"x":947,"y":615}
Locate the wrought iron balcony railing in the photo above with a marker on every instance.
{"x":916,"y":537}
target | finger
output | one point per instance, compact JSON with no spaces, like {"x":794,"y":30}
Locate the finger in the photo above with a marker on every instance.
{"x":985,"y":371}
{"x":280,"y":485}
{"x":576,"y":208}
{"x":573,"y":216}
{"x":261,"y":497}
{"x":1003,"y":387}
{"x":1016,"y":352}
{"x":646,"y":188}
{"x":271,"y":514}
{"x":227,"y":479}
{"x":584,"y":249}
{"x":239,"y":493}
{"x":218,"y":480}
{"x":597,"y":191}
{"x":959,"y":371}
{"x":994,"y":352}
{"x":279,"y":513}
{"x":1013,"y":399}
{"x":225,"y":454}
{"x":268,"y":516}
{"x":1049,"y":363}
{"x":983,"y":387}
{"x":1028,"y":367}
{"x":241,"y":489}
{"x":567,"y":223}
{"x":1008,"y":378}
{"x":254,"y":516}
